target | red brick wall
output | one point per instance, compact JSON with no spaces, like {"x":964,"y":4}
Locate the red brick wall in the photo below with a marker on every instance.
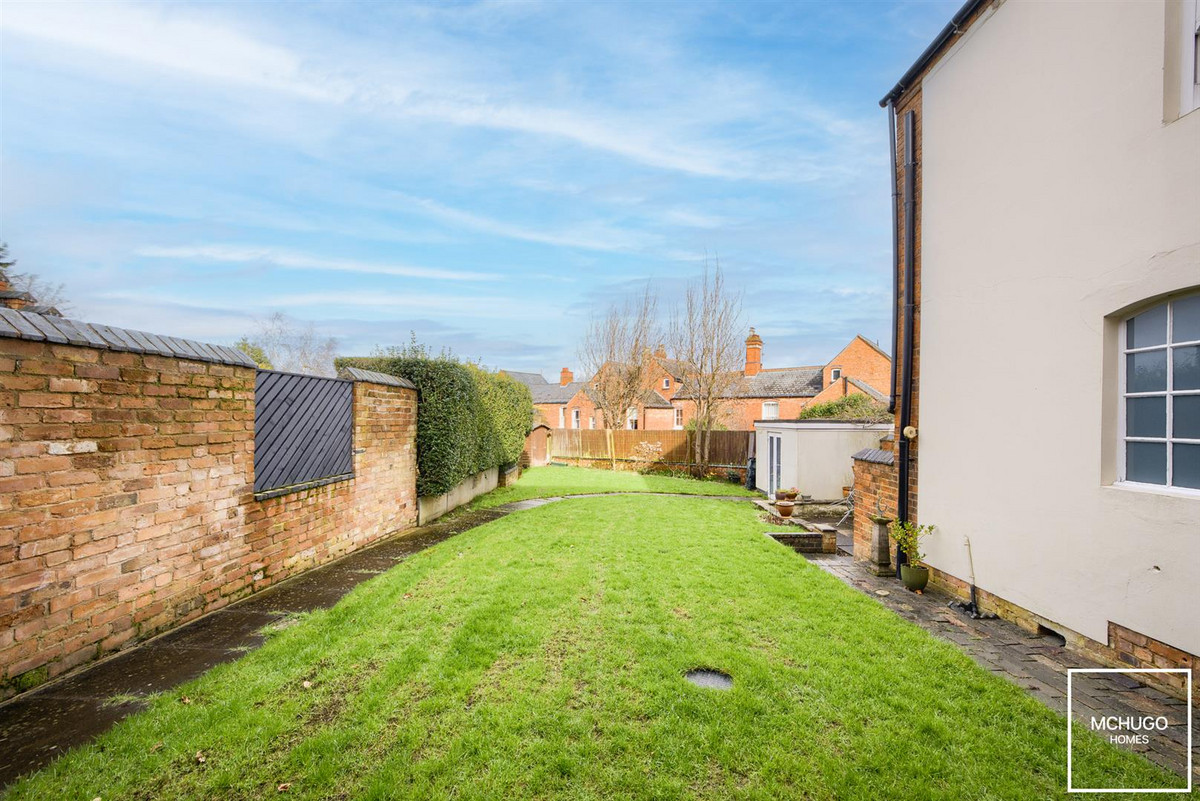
{"x":874,"y":490}
{"x":739,"y":414}
{"x":126,"y":499}
{"x":862,"y":361}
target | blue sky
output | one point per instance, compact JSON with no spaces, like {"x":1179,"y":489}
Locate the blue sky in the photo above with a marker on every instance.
{"x":484,"y":174}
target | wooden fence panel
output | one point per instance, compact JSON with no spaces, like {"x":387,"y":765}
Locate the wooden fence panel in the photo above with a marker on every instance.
{"x":726,"y":448}
{"x":303,"y":429}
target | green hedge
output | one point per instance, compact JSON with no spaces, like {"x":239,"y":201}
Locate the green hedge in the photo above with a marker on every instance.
{"x":849,"y":407}
{"x":468,"y":419}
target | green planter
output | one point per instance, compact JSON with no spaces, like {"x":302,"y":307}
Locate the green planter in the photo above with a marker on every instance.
{"x":915,"y":578}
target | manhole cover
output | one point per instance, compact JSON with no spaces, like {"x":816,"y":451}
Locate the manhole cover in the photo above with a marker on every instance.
{"x":713,"y":679}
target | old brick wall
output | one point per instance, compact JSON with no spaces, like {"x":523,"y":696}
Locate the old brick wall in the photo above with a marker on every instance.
{"x":126,"y":499}
{"x":874,"y":492}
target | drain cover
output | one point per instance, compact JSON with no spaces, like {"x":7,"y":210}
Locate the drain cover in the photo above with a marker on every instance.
{"x":713,"y":679}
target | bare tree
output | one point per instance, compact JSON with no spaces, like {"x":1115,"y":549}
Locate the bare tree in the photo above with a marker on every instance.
{"x":291,"y":346}
{"x":706,"y":338}
{"x":616,"y":350}
{"x":44,"y":293}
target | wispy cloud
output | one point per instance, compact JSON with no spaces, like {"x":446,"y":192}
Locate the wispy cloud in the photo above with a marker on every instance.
{"x":297,"y":261}
{"x":588,"y":236}
{"x":179,"y":40}
{"x":461,"y":168}
{"x":170,"y":38}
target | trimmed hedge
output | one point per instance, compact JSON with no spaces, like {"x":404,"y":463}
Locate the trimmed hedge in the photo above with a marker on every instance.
{"x":468,"y":419}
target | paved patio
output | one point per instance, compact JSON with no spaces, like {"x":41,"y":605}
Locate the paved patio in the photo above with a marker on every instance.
{"x":1035,"y":663}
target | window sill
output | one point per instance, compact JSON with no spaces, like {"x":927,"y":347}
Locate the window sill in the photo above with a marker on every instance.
{"x":276,"y":492}
{"x":1156,"y":489}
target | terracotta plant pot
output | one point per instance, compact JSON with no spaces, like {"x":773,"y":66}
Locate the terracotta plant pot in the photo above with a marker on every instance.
{"x":914,"y":577}
{"x":784,"y":508}
{"x":785,"y":495}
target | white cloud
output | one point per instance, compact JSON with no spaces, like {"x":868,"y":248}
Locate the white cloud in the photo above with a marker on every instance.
{"x":168,"y":38}
{"x":425,"y":85}
{"x":589,"y":236}
{"x":297,"y":261}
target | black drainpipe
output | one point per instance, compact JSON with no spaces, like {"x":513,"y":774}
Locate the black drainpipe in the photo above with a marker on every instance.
{"x":910,"y":231}
{"x":891,"y":109}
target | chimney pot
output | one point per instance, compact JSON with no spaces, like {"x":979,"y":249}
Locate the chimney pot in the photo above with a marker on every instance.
{"x":565,"y":377}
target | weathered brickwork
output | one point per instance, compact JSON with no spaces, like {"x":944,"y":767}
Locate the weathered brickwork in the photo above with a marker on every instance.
{"x":1125,"y":648}
{"x":126,"y":499}
{"x":874,"y":495}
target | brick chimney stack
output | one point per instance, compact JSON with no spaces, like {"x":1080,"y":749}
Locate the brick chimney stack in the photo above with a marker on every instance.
{"x":753,"y":354}
{"x":565,"y":377}
{"x":661,"y":351}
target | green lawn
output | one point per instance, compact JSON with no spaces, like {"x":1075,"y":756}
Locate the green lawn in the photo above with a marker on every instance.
{"x":545,"y":482}
{"x":541,"y":655}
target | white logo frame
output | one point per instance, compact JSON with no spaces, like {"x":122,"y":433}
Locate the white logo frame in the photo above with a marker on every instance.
{"x":1070,"y":719}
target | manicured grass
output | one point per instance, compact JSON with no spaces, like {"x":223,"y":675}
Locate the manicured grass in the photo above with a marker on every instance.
{"x":545,"y":482}
{"x":542,"y":655}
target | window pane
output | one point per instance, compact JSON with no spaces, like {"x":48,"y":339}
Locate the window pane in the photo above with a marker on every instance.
{"x":1186,"y":424}
{"x":1185,"y":326}
{"x":1146,"y":417}
{"x":1146,"y":372}
{"x":1148,"y":328}
{"x":1146,"y":462}
{"x":1185,"y":466}
{"x":1186,"y":367}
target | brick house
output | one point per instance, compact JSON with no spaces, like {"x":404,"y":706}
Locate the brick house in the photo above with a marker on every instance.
{"x":781,"y":393}
{"x":1082,"y":517}
{"x":549,"y":400}
{"x":570,"y":403}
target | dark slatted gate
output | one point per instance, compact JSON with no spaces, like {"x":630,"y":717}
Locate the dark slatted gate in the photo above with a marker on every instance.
{"x":303,"y":429}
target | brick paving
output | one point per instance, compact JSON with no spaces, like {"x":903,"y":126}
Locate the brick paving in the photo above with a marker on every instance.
{"x":1037,"y":664}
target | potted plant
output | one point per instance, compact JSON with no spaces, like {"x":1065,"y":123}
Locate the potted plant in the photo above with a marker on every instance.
{"x":788,"y":494}
{"x":784,"y":508}
{"x":908,"y":539}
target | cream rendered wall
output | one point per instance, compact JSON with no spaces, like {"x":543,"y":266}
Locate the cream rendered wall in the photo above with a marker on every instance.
{"x":1055,"y":200}
{"x":815,"y":455}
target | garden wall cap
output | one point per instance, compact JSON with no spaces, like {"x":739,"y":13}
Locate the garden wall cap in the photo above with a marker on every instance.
{"x":16,"y":324}
{"x":370,"y":376}
{"x":873,"y":455}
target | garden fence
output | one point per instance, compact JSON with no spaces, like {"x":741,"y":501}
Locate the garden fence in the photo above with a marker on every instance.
{"x":726,"y":448}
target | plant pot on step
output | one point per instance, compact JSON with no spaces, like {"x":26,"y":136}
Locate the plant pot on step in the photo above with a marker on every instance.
{"x":784,"y":508}
{"x":915,"y":577}
{"x":785,"y":495}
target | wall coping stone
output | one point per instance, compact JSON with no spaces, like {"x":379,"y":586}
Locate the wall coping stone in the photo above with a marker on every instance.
{"x":15,"y":324}
{"x":874,"y":455}
{"x":370,"y":376}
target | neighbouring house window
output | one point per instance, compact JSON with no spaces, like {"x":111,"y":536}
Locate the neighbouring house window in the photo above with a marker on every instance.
{"x":1160,"y":429}
{"x":770,"y":410}
{"x":631,"y":419}
{"x":666,"y":383}
{"x":835,"y":374}
{"x":562,"y":417}
{"x":592,"y":421}
{"x":679,"y":418}
{"x":574,"y":418}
